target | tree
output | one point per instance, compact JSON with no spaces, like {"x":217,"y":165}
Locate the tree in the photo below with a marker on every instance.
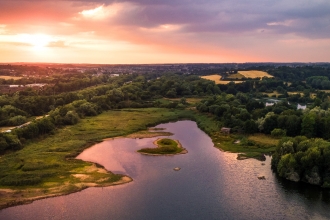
{"x":3,"y":145}
{"x":87,"y":109}
{"x":308,"y":125}
{"x":28,"y":132}
{"x":71,"y":118}
{"x":250,"y":127}
{"x":45,"y":125}
{"x":202,"y":107}
{"x":12,"y":141}
{"x":183,"y":101}
{"x":277,"y":132}
{"x":171,"y":93}
{"x":268,"y":123}
{"x":286,"y":165}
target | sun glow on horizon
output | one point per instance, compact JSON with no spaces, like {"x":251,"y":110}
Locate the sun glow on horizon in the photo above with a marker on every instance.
{"x":38,"y":41}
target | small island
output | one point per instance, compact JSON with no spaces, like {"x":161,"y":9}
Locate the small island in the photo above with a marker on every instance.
{"x":165,"y":146}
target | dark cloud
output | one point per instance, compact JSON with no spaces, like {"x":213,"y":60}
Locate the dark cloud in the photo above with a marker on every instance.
{"x":239,"y":16}
{"x":304,"y":17}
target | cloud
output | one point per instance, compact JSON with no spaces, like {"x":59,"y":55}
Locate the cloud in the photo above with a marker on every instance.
{"x":197,"y":16}
{"x":169,"y":26}
{"x":59,"y":43}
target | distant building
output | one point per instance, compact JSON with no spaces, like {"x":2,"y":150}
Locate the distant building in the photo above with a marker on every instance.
{"x":36,"y":85}
{"x":303,"y":107}
{"x":14,"y":86}
{"x":269,"y":104}
{"x":225,"y":130}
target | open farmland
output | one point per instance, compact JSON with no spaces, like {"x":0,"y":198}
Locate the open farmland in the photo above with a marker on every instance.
{"x":217,"y":79}
{"x":10,"y":77}
{"x":254,"y":74}
{"x":235,"y":76}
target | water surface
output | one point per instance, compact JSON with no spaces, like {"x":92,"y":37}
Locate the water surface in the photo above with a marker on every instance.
{"x":210,"y":185}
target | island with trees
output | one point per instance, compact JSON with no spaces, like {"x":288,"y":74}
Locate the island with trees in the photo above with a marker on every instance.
{"x":165,"y":146}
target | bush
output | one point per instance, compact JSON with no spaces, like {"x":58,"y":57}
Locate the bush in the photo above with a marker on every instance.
{"x":20,"y":180}
{"x":16,"y":120}
{"x":12,"y":141}
{"x":165,"y":142}
{"x":277,"y":132}
{"x":3,"y":145}
{"x":87,"y":109}
{"x":160,"y":150}
{"x":71,"y":118}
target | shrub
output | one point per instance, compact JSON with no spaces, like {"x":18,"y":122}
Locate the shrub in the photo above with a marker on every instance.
{"x":16,"y":120}
{"x":277,"y":132}
{"x":71,"y":118}
{"x":20,"y":180}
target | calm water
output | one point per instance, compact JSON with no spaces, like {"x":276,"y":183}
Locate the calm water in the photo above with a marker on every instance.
{"x":210,"y":185}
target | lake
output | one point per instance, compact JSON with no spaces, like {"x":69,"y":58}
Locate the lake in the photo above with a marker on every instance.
{"x":210,"y":185}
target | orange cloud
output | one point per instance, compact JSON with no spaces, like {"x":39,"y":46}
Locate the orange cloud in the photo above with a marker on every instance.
{"x":158,"y":31}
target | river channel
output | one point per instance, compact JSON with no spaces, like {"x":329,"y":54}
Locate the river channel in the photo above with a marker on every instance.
{"x":210,"y":185}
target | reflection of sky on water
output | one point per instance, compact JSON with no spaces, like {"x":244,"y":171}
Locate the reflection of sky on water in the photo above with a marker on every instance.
{"x":210,"y":185}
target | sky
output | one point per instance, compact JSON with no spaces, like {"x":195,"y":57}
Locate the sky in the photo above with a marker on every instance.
{"x":164,"y":31}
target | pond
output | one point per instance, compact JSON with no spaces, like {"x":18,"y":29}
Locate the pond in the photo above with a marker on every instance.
{"x":210,"y":185}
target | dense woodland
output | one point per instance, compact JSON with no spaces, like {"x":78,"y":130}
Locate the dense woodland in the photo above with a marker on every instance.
{"x":303,"y":154}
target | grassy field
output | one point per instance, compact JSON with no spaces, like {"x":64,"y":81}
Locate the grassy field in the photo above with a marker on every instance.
{"x":191,"y":101}
{"x":247,"y":146}
{"x":10,"y":77}
{"x":217,"y":79}
{"x":263,"y":139}
{"x":254,"y":74}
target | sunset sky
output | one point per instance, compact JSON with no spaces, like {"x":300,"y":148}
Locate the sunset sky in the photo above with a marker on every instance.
{"x":164,"y":31}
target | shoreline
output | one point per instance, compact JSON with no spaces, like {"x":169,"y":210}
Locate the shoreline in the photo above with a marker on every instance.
{"x":13,"y":196}
{"x":20,"y":197}
{"x":142,"y":134}
{"x":58,"y":191}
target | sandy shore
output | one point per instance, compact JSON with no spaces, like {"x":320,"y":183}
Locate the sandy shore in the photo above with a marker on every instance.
{"x":143,"y":134}
{"x":13,"y":197}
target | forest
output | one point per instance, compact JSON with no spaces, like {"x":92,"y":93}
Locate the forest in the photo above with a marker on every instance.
{"x":303,"y":150}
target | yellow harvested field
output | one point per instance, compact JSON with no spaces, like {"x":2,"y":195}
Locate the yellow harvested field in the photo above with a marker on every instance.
{"x":10,"y":77}
{"x":272,"y":94}
{"x":295,"y":93}
{"x":311,"y":95}
{"x":254,"y":74}
{"x":217,"y":79}
{"x":235,"y":76}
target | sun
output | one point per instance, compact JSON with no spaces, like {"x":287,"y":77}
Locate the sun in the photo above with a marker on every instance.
{"x":38,"y":41}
